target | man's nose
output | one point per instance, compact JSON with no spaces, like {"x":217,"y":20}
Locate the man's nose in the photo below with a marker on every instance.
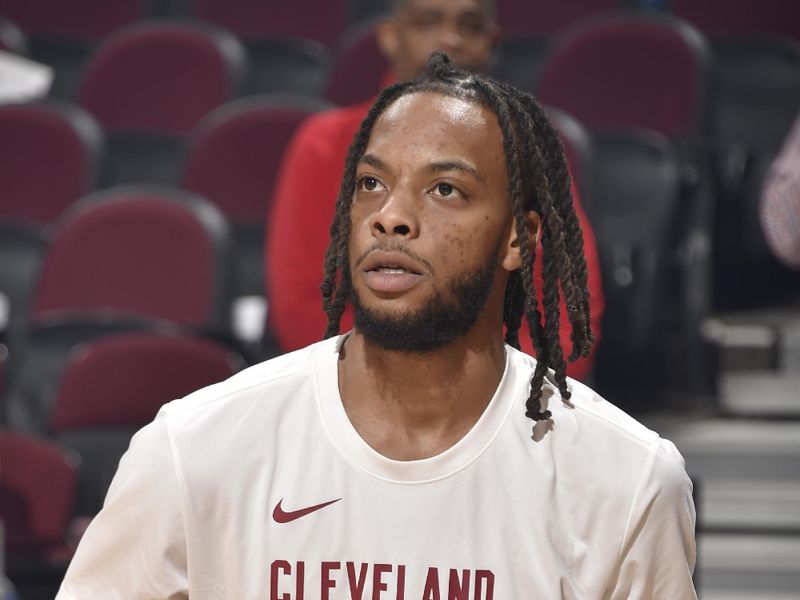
{"x":398,"y":216}
{"x":450,"y":38}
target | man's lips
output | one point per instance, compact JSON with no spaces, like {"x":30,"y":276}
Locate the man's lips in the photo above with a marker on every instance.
{"x":390,"y":271}
{"x":391,"y":260}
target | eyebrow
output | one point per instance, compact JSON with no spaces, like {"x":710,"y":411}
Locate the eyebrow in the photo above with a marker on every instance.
{"x":373,"y":161}
{"x":454,"y":165}
{"x":434,"y":167}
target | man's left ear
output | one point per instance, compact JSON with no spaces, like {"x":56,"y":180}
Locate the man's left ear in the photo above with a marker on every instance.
{"x":533,"y":225}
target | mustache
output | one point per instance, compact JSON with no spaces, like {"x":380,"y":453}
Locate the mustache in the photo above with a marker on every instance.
{"x":393,"y":248}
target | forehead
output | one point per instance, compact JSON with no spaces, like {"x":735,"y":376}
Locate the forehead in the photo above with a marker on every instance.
{"x":429,"y":126}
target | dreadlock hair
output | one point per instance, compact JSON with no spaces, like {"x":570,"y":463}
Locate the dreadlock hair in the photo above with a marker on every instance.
{"x":538,"y":180}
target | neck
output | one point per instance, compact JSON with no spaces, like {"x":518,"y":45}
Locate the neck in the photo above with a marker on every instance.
{"x":410,"y":405}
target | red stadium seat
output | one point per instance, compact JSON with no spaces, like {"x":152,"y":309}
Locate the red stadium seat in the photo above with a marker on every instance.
{"x":114,"y":385}
{"x":127,"y":258}
{"x":648,"y":72}
{"x":741,"y":17}
{"x":63,"y":34}
{"x":49,"y":157}
{"x":286,"y":41}
{"x":77,"y":19}
{"x":234,"y":159}
{"x":149,"y":84}
{"x":151,"y":252}
{"x":360,"y":68}
{"x":162,"y":77}
{"x":544,"y":17}
{"x":37,"y":489}
{"x":320,"y":20}
{"x":631,"y":70}
{"x":236,"y":152}
{"x":120,"y":381}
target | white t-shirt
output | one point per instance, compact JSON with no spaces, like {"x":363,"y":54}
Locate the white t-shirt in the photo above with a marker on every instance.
{"x":260,"y":488}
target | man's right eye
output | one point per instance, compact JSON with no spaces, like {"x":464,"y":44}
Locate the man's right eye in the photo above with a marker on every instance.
{"x":369,"y":184}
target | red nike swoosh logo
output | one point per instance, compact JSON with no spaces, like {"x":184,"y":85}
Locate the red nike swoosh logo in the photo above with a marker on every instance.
{"x":282,"y":516}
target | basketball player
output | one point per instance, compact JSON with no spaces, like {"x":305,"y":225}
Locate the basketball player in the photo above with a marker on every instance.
{"x":417,"y":457}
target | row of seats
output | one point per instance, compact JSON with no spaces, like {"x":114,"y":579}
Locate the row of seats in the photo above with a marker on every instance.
{"x":52,"y":484}
{"x":127,"y":311}
{"x":160,"y":79}
{"x":730,"y":103}
{"x":126,"y":258}
{"x":660,"y":70}
{"x":324,"y":20}
{"x":306,"y":47}
{"x":231,"y":158}
{"x":137,"y":76}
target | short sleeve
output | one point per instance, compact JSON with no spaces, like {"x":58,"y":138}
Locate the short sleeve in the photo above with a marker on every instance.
{"x":658,"y":553}
{"x":135,"y":549}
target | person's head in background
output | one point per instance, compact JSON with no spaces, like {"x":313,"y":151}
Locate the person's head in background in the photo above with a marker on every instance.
{"x":464,"y":29}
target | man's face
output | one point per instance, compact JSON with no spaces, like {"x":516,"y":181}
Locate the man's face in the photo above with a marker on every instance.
{"x":463,"y":29}
{"x":430,"y":224}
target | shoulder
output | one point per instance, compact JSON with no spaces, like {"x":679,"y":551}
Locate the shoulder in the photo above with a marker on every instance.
{"x":601,"y":418}
{"x":592,"y":436}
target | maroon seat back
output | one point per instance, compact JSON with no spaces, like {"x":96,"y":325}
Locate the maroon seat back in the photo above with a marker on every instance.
{"x":162,"y":76}
{"x":49,"y":157}
{"x":121,"y":381}
{"x":640,"y":71}
{"x":236,"y":153}
{"x":545,"y":17}
{"x":360,"y":68}
{"x":136,"y":250}
{"x":776,"y":17}
{"x":320,"y":20}
{"x":76,"y":19}
{"x":37,"y":489}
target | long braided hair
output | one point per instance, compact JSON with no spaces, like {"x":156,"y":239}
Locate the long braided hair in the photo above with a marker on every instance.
{"x":538,"y":180}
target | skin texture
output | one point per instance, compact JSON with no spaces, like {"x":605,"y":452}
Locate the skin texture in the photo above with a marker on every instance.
{"x":464,"y":29}
{"x":412,"y":197}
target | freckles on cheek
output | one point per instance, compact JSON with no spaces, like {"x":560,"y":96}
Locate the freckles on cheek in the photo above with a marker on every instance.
{"x":459,"y":244}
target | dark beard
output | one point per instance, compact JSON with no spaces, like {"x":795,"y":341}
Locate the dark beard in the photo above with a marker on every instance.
{"x":437,"y":323}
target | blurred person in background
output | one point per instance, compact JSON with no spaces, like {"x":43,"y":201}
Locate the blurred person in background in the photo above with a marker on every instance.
{"x":780,"y":201}
{"x":302,"y":208}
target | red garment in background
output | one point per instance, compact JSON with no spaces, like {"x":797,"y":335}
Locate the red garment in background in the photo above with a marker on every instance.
{"x":298,"y":234}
